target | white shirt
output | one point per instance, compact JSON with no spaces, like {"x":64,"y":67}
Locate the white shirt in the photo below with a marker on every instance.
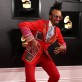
{"x":50,"y":31}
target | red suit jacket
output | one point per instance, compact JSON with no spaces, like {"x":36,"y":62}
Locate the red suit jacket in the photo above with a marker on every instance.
{"x":41,"y":27}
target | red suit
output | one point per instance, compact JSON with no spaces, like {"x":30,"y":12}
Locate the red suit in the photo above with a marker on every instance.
{"x":43,"y":57}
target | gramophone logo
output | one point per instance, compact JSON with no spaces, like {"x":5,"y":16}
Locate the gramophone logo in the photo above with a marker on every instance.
{"x":67,"y":22}
{"x":26,"y":4}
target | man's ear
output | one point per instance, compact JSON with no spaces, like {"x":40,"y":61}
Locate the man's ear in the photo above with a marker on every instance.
{"x":50,"y":17}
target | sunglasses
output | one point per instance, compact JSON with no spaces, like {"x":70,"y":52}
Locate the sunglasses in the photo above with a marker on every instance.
{"x":56,"y":16}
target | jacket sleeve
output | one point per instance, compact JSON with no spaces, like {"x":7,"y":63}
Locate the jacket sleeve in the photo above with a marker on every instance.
{"x":60,"y":39}
{"x":26,"y":28}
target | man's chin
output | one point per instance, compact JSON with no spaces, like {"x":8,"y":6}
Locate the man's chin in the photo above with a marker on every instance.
{"x":57,"y":23}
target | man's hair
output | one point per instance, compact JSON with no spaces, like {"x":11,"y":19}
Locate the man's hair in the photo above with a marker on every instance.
{"x":57,"y":5}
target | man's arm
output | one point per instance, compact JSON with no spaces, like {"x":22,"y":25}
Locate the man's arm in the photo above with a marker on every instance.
{"x":62,"y":44}
{"x":26,"y":28}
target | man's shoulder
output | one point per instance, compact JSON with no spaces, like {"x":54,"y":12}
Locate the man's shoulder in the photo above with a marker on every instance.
{"x":57,"y":28}
{"x":42,"y":20}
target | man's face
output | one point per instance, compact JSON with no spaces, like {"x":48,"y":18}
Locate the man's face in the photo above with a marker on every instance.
{"x":55,"y":17}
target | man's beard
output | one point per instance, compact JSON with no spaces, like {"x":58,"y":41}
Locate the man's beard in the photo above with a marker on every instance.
{"x":56,"y":24}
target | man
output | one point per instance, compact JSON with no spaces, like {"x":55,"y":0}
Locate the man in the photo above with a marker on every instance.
{"x":40,"y":34}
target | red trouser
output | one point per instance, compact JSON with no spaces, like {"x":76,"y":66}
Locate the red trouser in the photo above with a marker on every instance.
{"x":47,"y":64}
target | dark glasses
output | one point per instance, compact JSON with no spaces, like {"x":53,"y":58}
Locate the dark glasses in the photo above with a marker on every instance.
{"x":56,"y":16}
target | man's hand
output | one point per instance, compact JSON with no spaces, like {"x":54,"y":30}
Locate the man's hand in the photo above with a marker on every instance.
{"x":61,"y":49}
{"x":35,"y":44}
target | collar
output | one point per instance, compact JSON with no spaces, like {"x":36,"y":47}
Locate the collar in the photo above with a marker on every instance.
{"x":50,"y":24}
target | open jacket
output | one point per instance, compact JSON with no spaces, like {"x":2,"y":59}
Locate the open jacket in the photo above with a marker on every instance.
{"x":39,"y":30}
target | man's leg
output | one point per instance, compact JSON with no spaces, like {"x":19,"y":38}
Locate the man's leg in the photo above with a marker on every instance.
{"x":51,"y":69}
{"x":30,"y":73}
